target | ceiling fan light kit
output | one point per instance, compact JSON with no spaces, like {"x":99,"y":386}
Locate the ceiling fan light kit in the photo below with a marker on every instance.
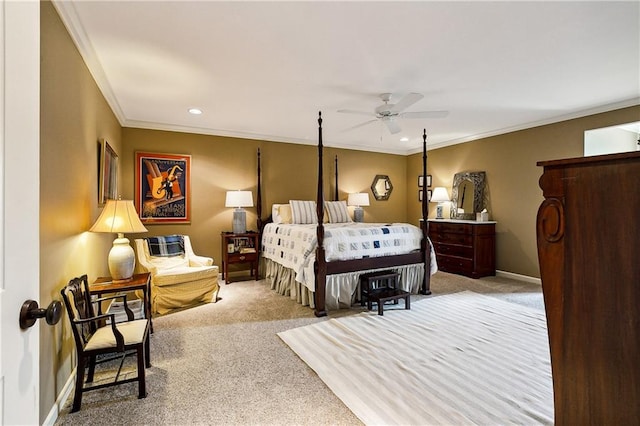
{"x":388,"y":113}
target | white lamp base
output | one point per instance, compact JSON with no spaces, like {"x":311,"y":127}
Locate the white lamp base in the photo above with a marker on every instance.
{"x":358,"y":214}
{"x":239,"y":224}
{"x":122,"y":259}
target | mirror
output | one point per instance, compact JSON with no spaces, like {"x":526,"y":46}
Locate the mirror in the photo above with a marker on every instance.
{"x":381,"y":187}
{"x":467,"y":195}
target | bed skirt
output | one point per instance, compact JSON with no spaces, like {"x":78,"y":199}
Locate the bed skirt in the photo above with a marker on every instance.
{"x":342,"y":289}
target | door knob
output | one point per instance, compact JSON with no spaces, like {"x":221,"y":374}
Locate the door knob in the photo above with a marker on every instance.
{"x":30,"y":313}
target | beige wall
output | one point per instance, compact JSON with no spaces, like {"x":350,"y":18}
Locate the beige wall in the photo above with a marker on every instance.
{"x":289,"y":171}
{"x":74,"y":115}
{"x":512,"y":178}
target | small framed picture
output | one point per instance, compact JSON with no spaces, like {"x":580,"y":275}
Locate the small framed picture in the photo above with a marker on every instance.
{"x":420,"y":195}
{"x":421,"y":181}
{"x":231,"y":248}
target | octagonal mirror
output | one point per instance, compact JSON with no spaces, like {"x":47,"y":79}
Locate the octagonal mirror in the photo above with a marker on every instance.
{"x":381,"y":187}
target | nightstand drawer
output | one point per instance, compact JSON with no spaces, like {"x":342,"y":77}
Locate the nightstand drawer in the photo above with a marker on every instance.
{"x":241,"y":257}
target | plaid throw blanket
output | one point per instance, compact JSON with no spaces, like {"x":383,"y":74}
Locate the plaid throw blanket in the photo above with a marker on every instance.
{"x":171,"y":245}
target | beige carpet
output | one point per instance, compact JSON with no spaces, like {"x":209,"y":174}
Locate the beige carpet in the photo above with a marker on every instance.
{"x":456,"y":359}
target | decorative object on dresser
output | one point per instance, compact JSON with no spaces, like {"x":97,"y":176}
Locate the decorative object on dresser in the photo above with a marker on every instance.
{"x":120,"y":216}
{"x":468,"y":195}
{"x":358,"y":199}
{"x":179,"y":278}
{"x":588,"y":246}
{"x":464,"y":247}
{"x":439,"y":196}
{"x":239,"y":199}
{"x":240,"y":248}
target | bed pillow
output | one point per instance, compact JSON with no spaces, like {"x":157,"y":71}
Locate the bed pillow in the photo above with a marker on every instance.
{"x":303,"y":212}
{"x":281,"y":213}
{"x":338,"y":212}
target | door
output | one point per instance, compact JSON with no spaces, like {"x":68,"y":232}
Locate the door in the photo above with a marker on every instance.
{"x":19,"y":209}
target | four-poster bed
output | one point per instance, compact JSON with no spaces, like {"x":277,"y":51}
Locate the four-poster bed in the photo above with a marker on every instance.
{"x":322,"y":273}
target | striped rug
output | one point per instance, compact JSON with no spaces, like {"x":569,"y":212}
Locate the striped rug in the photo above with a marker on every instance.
{"x":454,"y":359}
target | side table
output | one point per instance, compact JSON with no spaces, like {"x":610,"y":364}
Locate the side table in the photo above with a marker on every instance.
{"x":240,"y":248}
{"x":141,"y":281}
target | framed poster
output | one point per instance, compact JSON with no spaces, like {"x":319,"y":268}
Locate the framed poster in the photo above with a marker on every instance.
{"x":163,"y":187}
{"x":107,"y":172}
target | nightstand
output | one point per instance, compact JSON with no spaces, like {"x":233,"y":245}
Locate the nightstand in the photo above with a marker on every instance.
{"x":240,"y":248}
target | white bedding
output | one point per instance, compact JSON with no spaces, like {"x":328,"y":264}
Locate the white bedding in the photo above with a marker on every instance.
{"x":294,"y":246}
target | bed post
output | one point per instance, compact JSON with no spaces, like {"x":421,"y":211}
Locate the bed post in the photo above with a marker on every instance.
{"x":337,"y":195}
{"x":426,"y":244}
{"x":259,"y":197}
{"x":320,"y":266}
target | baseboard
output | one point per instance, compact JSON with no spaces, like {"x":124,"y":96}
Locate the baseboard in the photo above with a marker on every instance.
{"x":519,"y":277}
{"x":62,"y":398}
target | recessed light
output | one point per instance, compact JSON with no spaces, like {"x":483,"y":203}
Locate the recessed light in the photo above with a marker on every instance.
{"x":195,"y":111}
{"x":404,"y":139}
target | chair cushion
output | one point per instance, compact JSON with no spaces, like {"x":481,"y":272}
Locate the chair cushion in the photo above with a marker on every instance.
{"x":167,"y":246}
{"x":185,"y":274}
{"x":132,"y":331}
{"x":166,"y":263}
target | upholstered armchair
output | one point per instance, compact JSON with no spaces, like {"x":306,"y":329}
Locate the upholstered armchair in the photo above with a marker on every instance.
{"x":179,"y":277}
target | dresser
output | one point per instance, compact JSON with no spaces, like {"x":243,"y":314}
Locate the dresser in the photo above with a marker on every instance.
{"x":464,"y":247}
{"x":588,"y":236}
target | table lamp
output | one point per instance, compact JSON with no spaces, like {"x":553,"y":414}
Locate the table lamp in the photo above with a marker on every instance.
{"x":358,"y":199}
{"x":239,"y":199}
{"x":439,"y":196}
{"x":120,"y":216}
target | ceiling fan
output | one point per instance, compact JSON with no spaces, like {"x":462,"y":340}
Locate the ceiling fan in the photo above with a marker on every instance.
{"x":389,"y":113}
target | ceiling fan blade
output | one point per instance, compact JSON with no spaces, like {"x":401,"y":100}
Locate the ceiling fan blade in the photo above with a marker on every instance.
{"x":351,"y":111}
{"x":392,"y":126}
{"x":360,"y":125}
{"x":424,"y":114}
{"x":406,"y":102}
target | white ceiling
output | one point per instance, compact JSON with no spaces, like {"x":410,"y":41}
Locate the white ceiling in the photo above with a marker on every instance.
{"x":264,"y":69}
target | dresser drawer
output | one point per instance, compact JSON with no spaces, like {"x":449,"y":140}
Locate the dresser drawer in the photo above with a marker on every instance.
{"x":450,"y":228}
{"x":454,"y":264}
{"x":453,"y":250}
{"x":451,"y":238}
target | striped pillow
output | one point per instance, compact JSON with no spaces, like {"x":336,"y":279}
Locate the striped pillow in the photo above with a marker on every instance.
{"x":338,"y":212}
{"x":169,"y":246}
{"x":303,"y":212}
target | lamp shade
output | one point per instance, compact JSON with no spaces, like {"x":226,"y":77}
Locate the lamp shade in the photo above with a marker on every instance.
{"x":118,"y":216}
{"x":358,"y":199}
{"x":440,"y":195}
{"x":239,"y":199}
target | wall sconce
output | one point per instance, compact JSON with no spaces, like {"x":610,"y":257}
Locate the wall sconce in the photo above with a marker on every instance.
{"x":439,"y":196}
{"x":239,"y":199}
{"x":358,"y":199}
{"x":120,"y":216}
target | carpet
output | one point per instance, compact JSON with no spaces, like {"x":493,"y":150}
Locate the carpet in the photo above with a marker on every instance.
{"x":455,"y":359}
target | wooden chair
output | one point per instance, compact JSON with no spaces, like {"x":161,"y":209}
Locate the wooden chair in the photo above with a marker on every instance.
{"x":94,"y":336}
